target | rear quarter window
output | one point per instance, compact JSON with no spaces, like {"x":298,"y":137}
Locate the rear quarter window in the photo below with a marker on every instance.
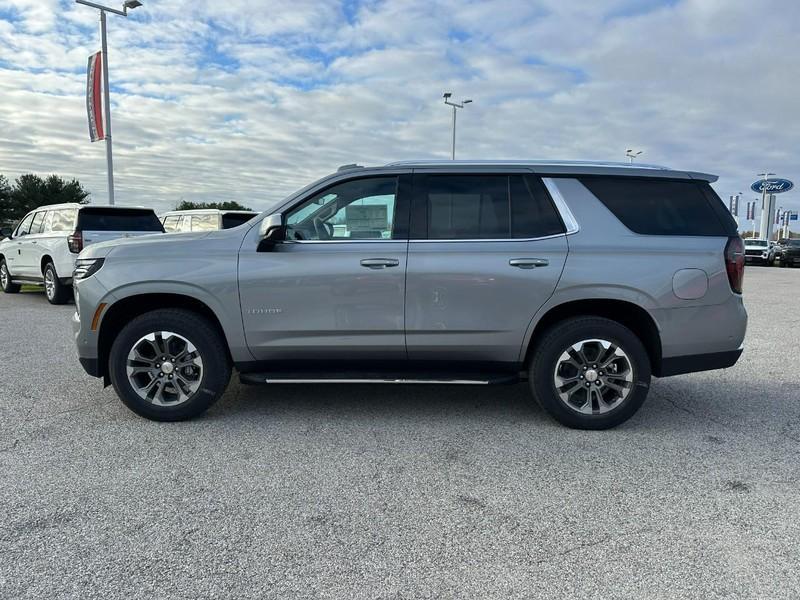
{"x":663,"y":207}
{"x":231,"y":220}
{"x":118,"y":219}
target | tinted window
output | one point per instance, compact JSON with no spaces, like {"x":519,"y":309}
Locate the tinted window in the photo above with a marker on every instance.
{"x":230,"y":220}
{"x":64,"y":220}
{"x":24,"y":226}
{"x":172,"y":223}
{"x":356,"y":209}
{"x":205,"y":222}
{"x":38,"y":221}
{"x":532,"y":212}
{"x":487,"y":207}
{"x":118,"y":219}
{"x":658,"y":206}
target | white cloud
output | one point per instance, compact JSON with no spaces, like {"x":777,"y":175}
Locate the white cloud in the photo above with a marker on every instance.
{"x":249,"y":100}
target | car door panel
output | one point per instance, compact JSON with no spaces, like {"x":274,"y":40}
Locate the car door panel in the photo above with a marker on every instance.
{"x":317,"y":301}
{"x":466,"y":301}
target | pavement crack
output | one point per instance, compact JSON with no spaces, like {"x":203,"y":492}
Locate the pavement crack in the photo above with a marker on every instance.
{"x":593,"y":543}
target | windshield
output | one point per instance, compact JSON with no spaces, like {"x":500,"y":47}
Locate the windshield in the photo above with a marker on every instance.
{"x":755,"y":242}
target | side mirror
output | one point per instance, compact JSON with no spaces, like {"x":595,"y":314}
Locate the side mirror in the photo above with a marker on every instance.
{"x":270,"y":231}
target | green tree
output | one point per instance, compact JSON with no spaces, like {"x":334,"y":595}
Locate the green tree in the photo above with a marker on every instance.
{"x":230,"y":205}
{"x":31,"y":191}
{"x":6,"y":213}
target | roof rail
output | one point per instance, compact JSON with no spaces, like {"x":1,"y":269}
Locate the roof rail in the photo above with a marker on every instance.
{"x":349,"y":167}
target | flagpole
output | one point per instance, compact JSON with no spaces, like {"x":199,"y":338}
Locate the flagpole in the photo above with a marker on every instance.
{"x":107,"y":101}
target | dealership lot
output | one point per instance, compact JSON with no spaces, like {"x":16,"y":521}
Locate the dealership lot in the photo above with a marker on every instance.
{"x":401,"y":492}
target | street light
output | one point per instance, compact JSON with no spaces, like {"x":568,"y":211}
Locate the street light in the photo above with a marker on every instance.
{"x":127,"y":5}
{"x":455,"y":105}
{"x":631,"y":154}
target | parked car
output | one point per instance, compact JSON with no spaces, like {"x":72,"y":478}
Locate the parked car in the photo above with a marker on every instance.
{"x":790,"y":253}
{"x":582,"y":278}
{"x":204,"y":219}
{"x":756,"y":250}
{"x":42,"y":249}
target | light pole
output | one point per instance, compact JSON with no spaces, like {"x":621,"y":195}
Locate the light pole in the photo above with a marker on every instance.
{"x":455,"y":105}
{"x":128,"y":4}
{"x":766,"y":210}
{"x":631,"y":154}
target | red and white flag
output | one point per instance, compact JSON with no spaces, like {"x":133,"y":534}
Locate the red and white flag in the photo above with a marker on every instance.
{"x":94,"y":101}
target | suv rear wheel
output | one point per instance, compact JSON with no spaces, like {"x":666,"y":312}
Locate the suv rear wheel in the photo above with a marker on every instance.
{"x":169,"y":365}
{"x":590,"y":373}
{"x":5,"y":279}
{"x":55,"y":291}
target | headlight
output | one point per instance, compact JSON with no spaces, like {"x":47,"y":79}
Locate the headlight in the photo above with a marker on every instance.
{"x":86,"y":267}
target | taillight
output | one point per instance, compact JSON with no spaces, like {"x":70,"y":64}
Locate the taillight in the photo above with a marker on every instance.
{"x":75,"y":242}
{"x":734,"y":262}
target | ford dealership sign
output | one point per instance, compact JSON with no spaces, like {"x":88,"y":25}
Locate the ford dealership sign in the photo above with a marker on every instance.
{"x":773,"y":186}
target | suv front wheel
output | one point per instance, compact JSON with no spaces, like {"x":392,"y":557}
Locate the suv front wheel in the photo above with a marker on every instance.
{"x":169,"y":365}
{"x":590,"y":373}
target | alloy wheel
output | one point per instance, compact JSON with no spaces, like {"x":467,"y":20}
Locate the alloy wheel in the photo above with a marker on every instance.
{"x":593,"y":376}
{"x":49,"y":283}
{"x":164,"y":368}
{"x":4,"y":275}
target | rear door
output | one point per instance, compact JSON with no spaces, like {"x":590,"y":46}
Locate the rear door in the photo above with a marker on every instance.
{"x":486,"y":252}
{"x":99,"y":224}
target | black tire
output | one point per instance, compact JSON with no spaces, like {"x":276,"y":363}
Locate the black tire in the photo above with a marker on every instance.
{"x":56,"y":292}
{"x":216,"y":369}
{"x":5,"y":282}
{"x":546,"y":358}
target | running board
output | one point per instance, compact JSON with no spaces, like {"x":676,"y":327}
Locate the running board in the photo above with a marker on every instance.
{"x":367,"y":377}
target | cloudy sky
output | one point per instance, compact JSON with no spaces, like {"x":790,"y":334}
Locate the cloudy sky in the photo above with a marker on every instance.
{"x":250,"y":99}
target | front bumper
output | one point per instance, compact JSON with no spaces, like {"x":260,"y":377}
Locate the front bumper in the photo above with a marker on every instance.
{"x":89,"y":294}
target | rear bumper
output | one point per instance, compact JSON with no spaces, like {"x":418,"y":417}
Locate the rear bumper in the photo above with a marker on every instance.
{"x":678,"y":365}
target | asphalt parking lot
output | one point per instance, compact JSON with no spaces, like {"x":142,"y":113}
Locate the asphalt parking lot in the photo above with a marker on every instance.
{"x":401,"y":492}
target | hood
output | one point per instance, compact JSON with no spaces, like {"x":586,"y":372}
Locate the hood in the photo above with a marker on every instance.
{"x":103,"y":249}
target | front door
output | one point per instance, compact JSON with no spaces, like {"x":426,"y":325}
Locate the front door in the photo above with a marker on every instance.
{"x":487,"y":251}
{"x":334,"y":290}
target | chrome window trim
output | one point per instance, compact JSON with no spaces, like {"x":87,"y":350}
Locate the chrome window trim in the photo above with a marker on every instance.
{"x":570,"y":222}
{"x":472,"y":240}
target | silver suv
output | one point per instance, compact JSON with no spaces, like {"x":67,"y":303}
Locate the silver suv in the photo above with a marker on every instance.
{"x":582,"y":278}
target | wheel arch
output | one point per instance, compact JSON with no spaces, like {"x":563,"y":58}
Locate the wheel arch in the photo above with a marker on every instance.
{"x":629,"y":314}
{"x":46,"y":258}
{"x":124,"y":310}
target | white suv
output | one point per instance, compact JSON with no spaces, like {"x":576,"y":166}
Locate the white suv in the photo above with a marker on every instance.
{"x":43,"y":247}
{"x":204,"y":219}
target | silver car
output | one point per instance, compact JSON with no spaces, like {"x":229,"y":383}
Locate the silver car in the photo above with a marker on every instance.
{"x":583,"y":279}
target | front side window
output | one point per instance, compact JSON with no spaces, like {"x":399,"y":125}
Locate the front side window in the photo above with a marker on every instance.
{"x":474,"y":207}
{"x":172,"y":223}
{"x":356,"y":209}
{"x":24,"y":227}
{"x":38,"y":220}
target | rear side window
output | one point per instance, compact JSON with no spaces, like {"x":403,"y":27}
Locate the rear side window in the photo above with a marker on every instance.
{"x":487,"y":207}
{"x":205,"y":222}
{"x":660,"y":206}
{"x":63,"y":220}
{"x":230,"y":220}
{"x":118,"y":219}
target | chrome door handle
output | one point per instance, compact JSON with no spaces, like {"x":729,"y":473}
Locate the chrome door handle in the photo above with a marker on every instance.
{"x":379,"y":263}
{"x":528,"y":263}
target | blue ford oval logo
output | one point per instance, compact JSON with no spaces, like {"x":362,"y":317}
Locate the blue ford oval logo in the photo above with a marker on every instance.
{"x":773,"y":186}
